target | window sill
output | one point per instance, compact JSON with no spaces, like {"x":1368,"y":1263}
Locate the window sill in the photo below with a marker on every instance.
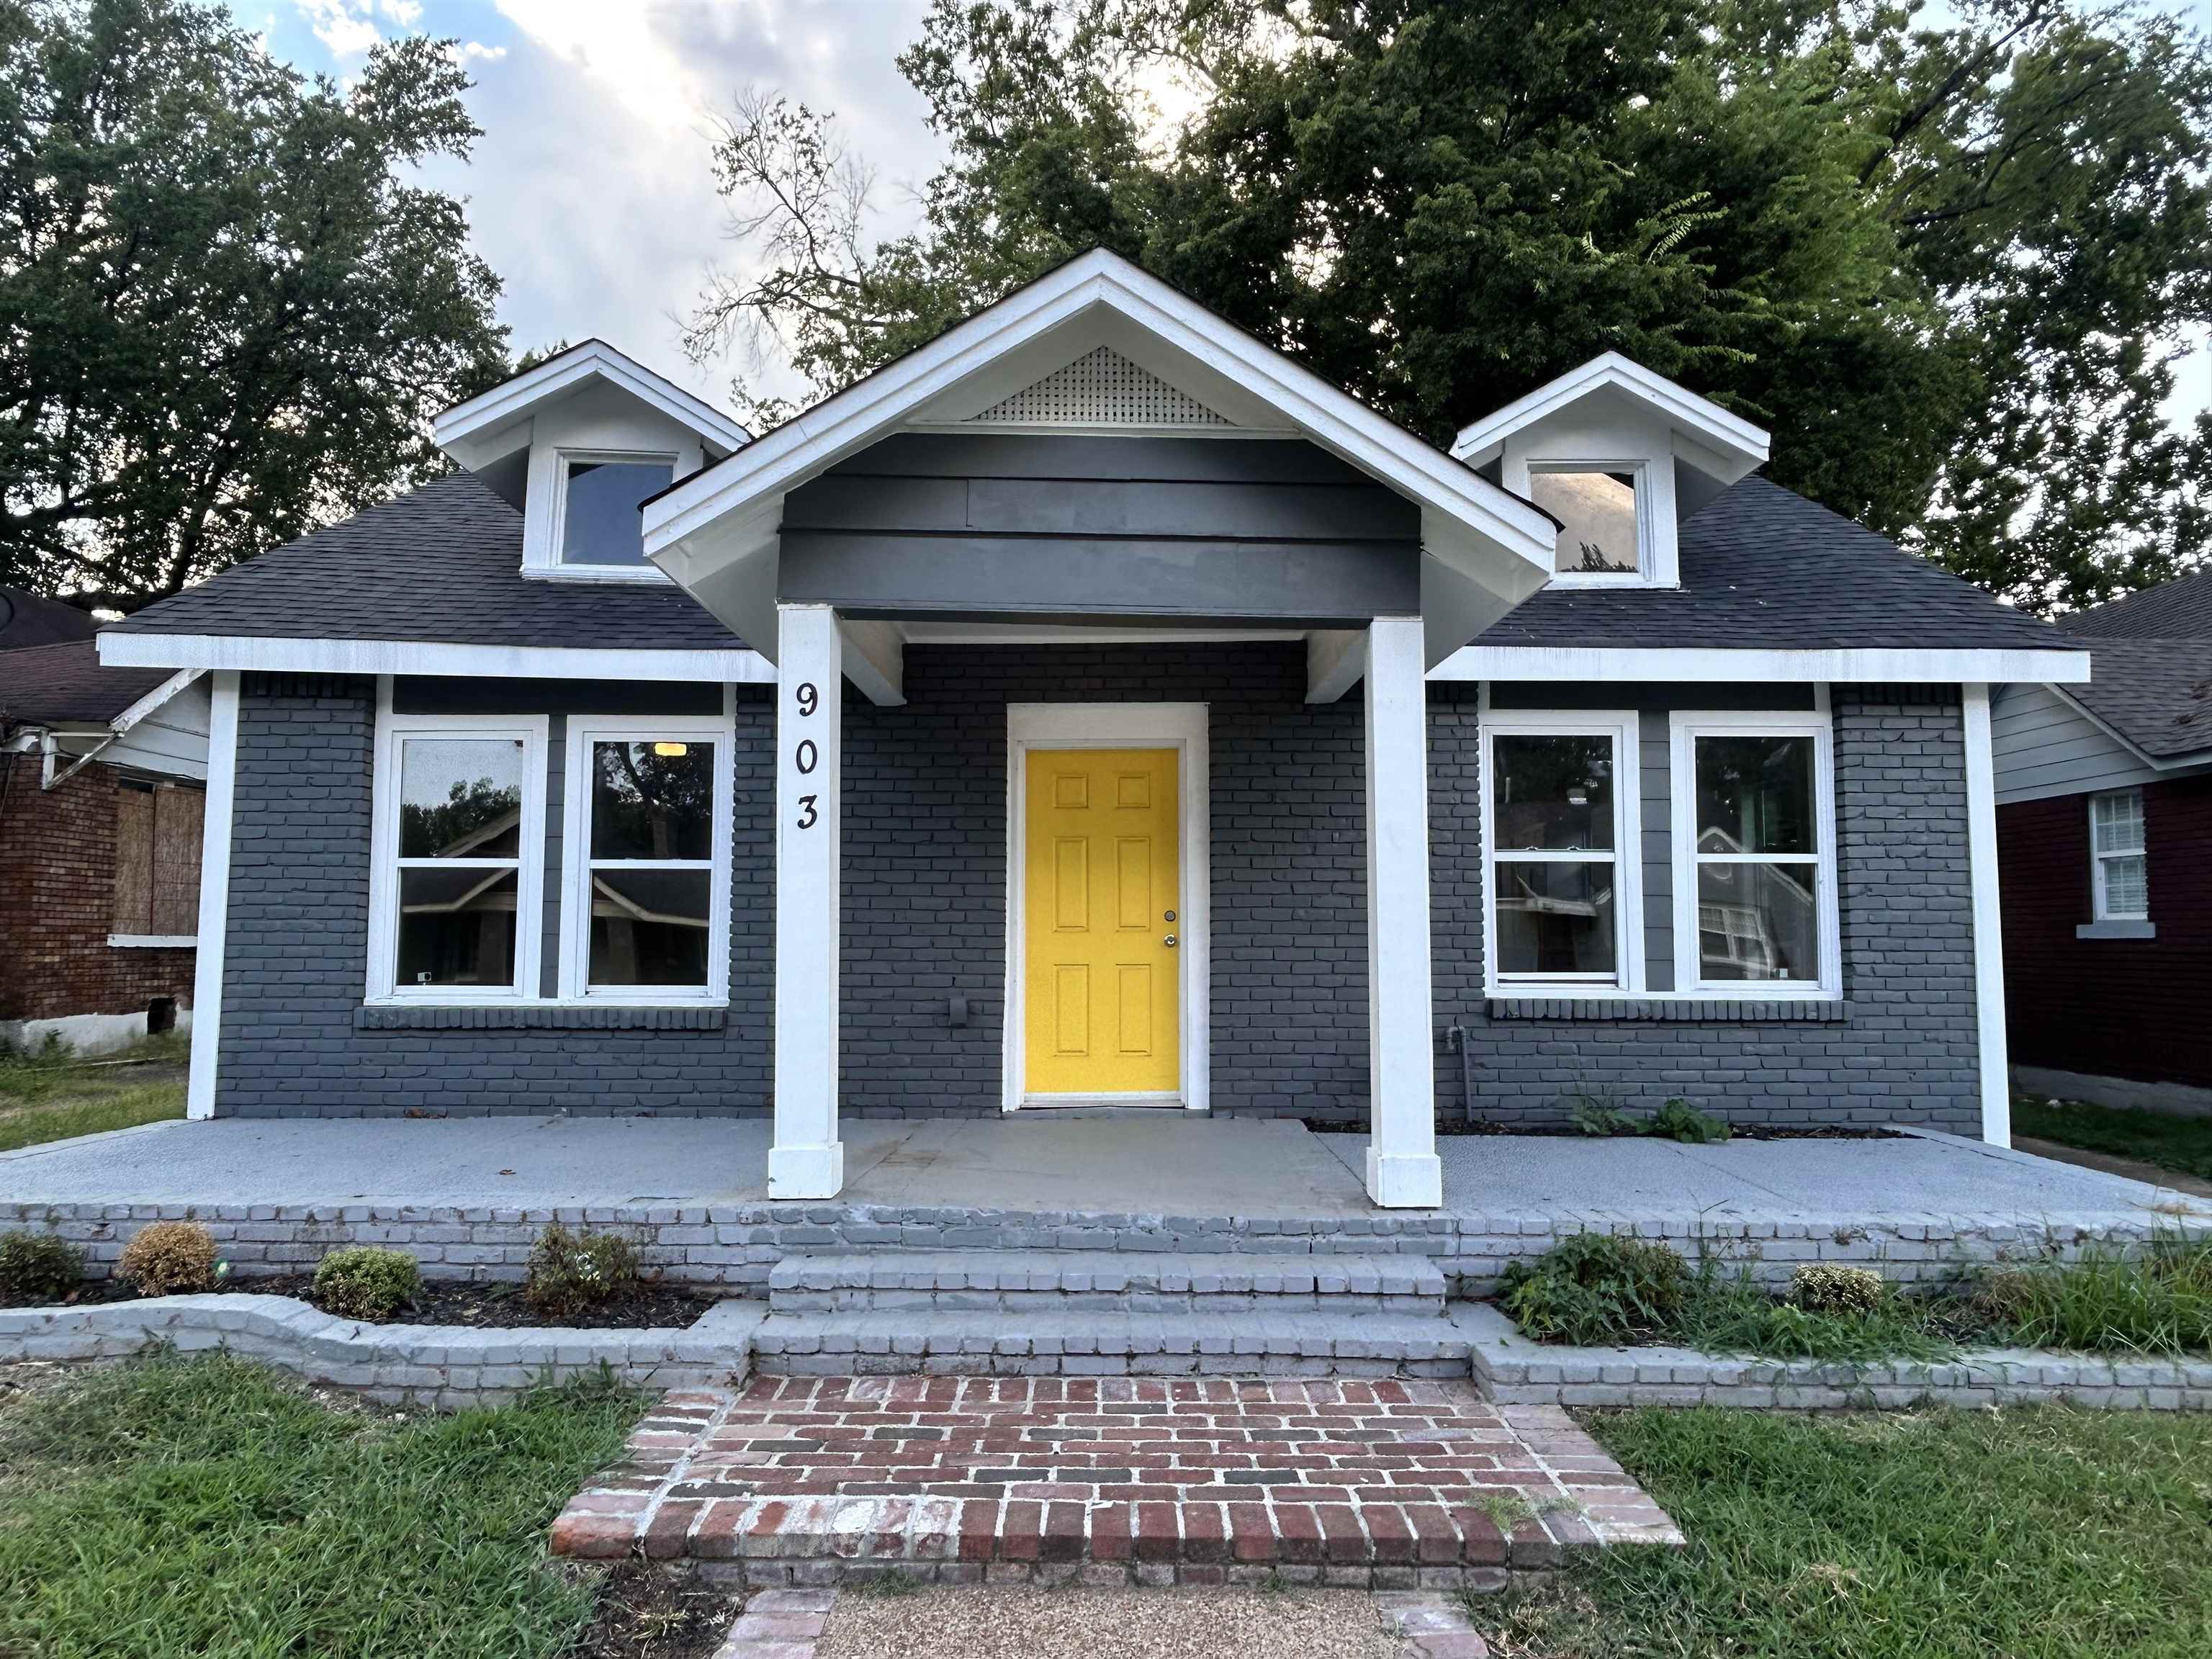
{"x":649,"y":574}
{"x":2117,"y":930}
{"x":433,"y":1017}
{"x":153,"y":941}
{"x":1683,"y":1011}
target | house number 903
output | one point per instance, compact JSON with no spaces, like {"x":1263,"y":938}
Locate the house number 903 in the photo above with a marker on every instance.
{"x":806,"y":757}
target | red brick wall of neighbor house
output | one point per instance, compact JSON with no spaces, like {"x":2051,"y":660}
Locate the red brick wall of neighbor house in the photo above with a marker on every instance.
{"x":2125,"y":1008}
{"x":58,"y":903}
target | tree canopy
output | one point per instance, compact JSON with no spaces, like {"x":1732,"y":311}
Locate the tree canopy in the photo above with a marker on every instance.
{"x":225,"y":314}
{"x":1950,"y":261}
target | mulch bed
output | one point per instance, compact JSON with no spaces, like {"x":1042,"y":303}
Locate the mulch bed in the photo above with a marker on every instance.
{"x":488,"y":1307}
{"x":1447,"y":1127}
{"x":648,"y":1611}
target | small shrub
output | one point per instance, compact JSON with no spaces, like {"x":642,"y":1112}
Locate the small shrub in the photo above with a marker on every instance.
{"x":1678,"y":1120}
{"x":38,"y":1268}
{"x":1829,"y":1287}
{"x":1594,"y":1290}
{"x":366,"y":1282}
{"x":1600,"y":1114}
{"x":570,"y":1272}
{"x":170,"y":1258}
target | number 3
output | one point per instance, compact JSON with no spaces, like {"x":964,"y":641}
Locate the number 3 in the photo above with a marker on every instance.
{"x":809,"y":818}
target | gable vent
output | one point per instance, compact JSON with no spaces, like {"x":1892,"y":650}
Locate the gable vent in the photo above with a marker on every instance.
{"x":1102,"y":389}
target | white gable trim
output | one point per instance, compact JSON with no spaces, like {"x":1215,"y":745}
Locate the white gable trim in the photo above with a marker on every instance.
{"x":1866,"y":666}
{"x":255,"y":654}
{"x":154,"y":699}
{"x":484,"y":415}
{"x":1697,"y":419}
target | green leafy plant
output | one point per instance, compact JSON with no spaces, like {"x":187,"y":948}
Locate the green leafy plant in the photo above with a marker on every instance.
{"x":1596,"y":1289}
{"x":1678,"y":1120}
{"x":38,"y":1268}
{"x":1598,"y":1113}
{"x":1831,"y":1287}
{"x":366,"y":1282}
{"x":573,"y":1270}
{"x":170,"y":1258}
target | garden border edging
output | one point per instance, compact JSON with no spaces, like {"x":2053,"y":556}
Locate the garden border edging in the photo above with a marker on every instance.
{"x":1513,"y":1370}
{"x":443,"y":1365}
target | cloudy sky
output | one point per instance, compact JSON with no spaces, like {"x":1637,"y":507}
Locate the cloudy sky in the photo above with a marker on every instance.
{"x":591,"y":192}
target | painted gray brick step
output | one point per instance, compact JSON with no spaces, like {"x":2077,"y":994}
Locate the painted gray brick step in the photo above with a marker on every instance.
{"x":1089,"y":1342}
{"x":1135,"y":1281}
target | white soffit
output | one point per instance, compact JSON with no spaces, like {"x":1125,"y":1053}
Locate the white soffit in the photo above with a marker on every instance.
{"x":727,"y":514}
{"x":1727,"y":440}
{"x":495,"y":422}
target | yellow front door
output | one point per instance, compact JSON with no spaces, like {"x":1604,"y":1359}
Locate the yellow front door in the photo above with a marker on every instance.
{"x":1101,"y":900}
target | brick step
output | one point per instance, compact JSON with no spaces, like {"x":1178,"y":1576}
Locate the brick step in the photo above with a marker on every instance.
{"x":1134,"y":1281}
{"x":1085,"y":1342}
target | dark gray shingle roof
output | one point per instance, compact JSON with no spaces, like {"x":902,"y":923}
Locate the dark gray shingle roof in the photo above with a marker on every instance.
{"x":28,"y":619}
{"x":2157,"y":694}
{"x":2178,"y":610}
{"x":64,"y":685}
{"x":442,"y":564}
{"x":1764,"y":568}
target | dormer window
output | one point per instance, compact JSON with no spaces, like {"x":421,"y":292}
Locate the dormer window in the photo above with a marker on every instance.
{"x":1600,"y":520}
{"x":601,"y":494}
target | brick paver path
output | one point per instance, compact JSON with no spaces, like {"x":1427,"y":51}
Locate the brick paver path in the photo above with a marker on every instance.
{"x":1194,"y":1480}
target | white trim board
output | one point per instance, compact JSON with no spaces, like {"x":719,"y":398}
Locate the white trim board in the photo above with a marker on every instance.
{"x":215,"y":896}
{"x":1989,"y":916}
{"x":1860,"y":665}
{"x":254,"y":653}
{"x":1182,"y":726}
{"x":1700,"y":418}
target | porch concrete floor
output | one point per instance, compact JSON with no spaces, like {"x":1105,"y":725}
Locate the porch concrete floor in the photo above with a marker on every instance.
{"x":1138,"y":1165}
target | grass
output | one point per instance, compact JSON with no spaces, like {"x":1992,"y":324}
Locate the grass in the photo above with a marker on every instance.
{"x":2180,"y":1143}
{"x":173,"y":1507}
{"x":2160,"y":1303}
{"x":53,"y":1095}
{"x":2046,"y":1534}
{"x":1723,"y":1315}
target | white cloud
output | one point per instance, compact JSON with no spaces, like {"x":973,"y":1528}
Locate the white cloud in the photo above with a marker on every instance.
{"x":406,"y":13}
{"x":345,"y":26}
{"x":623,"y":48}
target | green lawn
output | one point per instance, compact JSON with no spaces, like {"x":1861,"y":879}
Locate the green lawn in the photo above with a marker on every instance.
{"x":175,"y":1507}
{"x":2024,"y":1534}
{"x":51,"y":1097}
{"x":2183,"y":1144}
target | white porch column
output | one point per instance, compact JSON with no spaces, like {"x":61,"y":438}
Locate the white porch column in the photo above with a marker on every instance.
{"x":1403,"y":1169}
{"x":1989,"y":917}
{"x":215,"y":895}
{"x":807,"y":1160}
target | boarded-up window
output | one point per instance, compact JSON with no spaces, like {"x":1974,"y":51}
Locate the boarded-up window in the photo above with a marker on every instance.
{"x":157,"y":858}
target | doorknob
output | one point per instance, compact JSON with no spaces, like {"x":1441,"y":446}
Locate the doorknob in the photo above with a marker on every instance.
{"x":1169,"y":941}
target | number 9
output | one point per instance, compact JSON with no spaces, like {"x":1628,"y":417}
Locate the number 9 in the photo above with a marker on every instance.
{"x":808,"y":698}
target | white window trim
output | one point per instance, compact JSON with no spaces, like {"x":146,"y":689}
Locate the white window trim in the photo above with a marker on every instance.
{"x":1684,"y":726}
{"x":1183,"y":727}
{"x":153,"y":941}
{"x":384,"y":857}
{"x":584,"y":730}
{"x":1621,"y":726}
{"x":552,"y":566}
{"x":1647,"y":573}
{"x":2100,"y":909}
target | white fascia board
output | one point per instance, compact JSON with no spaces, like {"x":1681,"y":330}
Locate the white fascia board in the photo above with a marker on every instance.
{"x":154,"y":699}
{"x":253,"y":654}
{"x":874,"y":407}
{"x":1697,"y":419}
{"x":1869,"y":667}
{"x":512,"y":400}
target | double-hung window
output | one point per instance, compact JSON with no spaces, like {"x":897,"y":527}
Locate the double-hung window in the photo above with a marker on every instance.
{"x":646,"y":905}
{"x":459,"y":834}
{"x":1754,"y":855}
{"x":1559,"y":817}
{"x":2120,"y":867}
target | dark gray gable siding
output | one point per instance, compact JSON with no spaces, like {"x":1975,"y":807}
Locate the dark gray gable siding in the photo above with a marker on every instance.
{"x":956,"y":525}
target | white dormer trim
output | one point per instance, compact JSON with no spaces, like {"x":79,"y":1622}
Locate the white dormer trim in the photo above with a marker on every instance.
{"x":474,"y":433}
{"x":1702,"y":420}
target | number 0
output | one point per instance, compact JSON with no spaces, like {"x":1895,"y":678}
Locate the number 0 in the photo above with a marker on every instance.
{"x":807,"y":754}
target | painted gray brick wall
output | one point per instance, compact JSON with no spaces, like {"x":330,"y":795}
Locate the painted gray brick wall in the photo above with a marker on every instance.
{"x":298,"y":941}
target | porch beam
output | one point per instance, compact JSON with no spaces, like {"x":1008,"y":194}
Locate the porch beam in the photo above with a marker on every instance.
{"x":1403,"y":1171}
{"x":875,"y":660}
{"x":807,"y":1159}
{"x":1335,"y":658}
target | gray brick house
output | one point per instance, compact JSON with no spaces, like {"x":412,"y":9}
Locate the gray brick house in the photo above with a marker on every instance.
{"x":1094,"y":709}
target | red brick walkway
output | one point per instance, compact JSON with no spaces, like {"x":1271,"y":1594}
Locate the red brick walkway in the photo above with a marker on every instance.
{"x":1392,"y":1484}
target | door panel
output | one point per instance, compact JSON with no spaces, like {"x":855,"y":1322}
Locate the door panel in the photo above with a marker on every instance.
{"x":1101,"y":985}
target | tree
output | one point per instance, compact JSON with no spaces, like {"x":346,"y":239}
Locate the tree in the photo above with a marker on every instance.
{"x":225,"y":315}
{"x":1950,"y":266}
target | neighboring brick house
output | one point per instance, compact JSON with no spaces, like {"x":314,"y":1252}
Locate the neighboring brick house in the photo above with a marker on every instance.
{"x":2105,"y":837}
{"x":1094,"y":709}
{"x":102,"y":785}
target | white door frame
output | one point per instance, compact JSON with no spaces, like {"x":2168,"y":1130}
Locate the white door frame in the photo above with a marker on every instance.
{"x":1181,"y":727}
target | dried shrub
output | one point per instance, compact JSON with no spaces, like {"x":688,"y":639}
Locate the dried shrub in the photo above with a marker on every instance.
{"x":570,"y":1272}
{"x":366,"y":1282}
{"x":170,"y":1258}
{"x":38,"y":1268}
{"x":1830,"y":1287}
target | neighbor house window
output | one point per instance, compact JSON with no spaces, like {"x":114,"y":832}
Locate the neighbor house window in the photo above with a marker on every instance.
{"x":460,"y":839}
{"x":1600,"y":524}
{"x":1754,"y":904}
{"x":157,"y":863}
{"x":2121,"y":869}
{"x":601,"y":496}
{"x":648,"y":900}
{"x":1563,"y":874}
